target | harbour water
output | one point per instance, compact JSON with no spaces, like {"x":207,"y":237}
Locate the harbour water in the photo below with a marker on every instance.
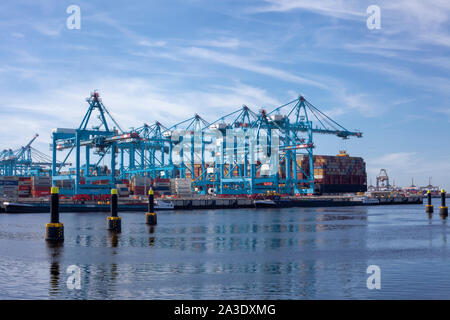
{"x":291,"y":253}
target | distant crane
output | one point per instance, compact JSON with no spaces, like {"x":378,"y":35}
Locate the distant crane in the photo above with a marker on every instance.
{"x":24,"y":161}
{"x":382,"y":179}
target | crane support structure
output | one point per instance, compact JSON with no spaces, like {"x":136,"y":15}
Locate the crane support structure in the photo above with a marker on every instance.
{"x":257,"y":153}
{"x":25,"y":161}
{"x":101,"y":140}
{"x":241,"y":153}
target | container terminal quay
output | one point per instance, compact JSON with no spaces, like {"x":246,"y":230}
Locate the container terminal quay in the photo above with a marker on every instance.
{"x":244,"y":159}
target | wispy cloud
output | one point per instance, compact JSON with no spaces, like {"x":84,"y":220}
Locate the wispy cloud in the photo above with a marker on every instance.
{"x":219,"y":43}
{"x":241,"y":62}
{"x":444,"y":111}
{"x":148,"y":43}
{"x":131,"y":102}
{"x":339,"y":9}
{"x":403,"y":166}
{"x":49,"y":30}
{"x":17,"y":35}
{"x":405,"y":23}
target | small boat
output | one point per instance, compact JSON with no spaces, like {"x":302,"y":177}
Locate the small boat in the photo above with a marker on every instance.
{"x":164,"y":205}
{"x":265,"y":203}
{"x":366,"y":200}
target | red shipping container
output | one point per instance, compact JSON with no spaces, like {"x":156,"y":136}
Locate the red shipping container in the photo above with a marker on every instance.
{"x":41,"y":188}
{"x":38,"y":194}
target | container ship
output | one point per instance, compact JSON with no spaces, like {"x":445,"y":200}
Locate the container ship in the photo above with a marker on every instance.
{"x":336,"y":174}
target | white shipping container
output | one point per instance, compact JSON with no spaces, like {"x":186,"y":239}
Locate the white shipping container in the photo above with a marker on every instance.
{"x":11,"y":192}
{"x":9,"y":178}
{"x":265,"y":169}
{"x":10,"y":188}
{"x":141,"y":181}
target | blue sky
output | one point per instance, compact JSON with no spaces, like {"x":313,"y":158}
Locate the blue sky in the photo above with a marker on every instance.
{"x":166,"y":60}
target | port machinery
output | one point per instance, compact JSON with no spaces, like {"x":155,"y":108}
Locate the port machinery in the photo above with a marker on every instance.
{"x":238,"y":172}
{"x":25,"y":161}
{"x":100,"y":139}
{"x":224,"y":150}
{"x":167,"y":152}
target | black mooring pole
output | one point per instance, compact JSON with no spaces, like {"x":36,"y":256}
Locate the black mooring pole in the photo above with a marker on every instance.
{"x":114,"y":222}
{"x":54,"y":231}
{"x":151,"y":217}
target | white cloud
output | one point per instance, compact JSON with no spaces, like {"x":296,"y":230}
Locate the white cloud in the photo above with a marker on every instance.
{"x":403,"y":21}
{"x":219,"y":43}
{"x":359,"y":102}
{"x":148,"y":43}
{"x":131,"y":102}
{"x":241,"y":62}
{"x":46,"y":30}
{"x":444,"y":111}
{"x":334,"y":8}
{"x":17,"y":35}
{"x":404,"y":166}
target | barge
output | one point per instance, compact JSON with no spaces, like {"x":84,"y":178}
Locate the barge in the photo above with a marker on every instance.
{"x":208,"y":203}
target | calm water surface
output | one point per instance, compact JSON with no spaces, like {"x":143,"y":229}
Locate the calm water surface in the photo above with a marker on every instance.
{"x":294,"y":253}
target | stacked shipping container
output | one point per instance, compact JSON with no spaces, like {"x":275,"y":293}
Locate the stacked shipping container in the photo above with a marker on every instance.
{"x":140,"y":185}
{"x":9,"y":187}
{"x":161,"y":186}
{"x":24,"y":187}
{"x":181,"y":187}
{"x":40,"y":186}
{"x":336,"y":174}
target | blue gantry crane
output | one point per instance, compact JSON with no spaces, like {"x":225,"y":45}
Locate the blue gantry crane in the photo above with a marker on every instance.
{"x":99,"y":140}
{"x":257,"y":153}
{"x":296,"y":136}
{"x":25,"y":161}
{"x":229,"y":166}
{"x":147,"y":155}
{"x":243,"y":152}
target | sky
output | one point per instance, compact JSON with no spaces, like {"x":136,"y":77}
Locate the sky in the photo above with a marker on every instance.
{"x":167,"y":60}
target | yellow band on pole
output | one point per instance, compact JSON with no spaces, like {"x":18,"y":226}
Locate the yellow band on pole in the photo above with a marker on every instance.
{"x":150,"y":191}
{"x":113,"y":191}
{"x":429,"y":191}
{"x":54,"y":190}
{"x":442,"y":191}
{"x":54,"y":225}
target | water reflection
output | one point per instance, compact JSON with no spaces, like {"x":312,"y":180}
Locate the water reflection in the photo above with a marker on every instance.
{"x":259,"y":254}
{"x":113,"y":239}
{"x":55,"y":250}
{"x":151,"y":239}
